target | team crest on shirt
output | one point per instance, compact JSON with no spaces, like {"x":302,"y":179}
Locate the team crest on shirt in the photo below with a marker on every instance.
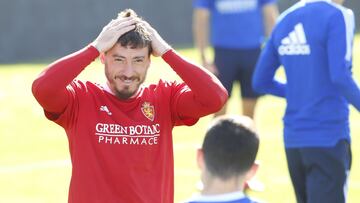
{"x":148,"y":110}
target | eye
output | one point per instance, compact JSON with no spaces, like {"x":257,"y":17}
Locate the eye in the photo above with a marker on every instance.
{"x":139,"y":60}
{"x":119,"y":60}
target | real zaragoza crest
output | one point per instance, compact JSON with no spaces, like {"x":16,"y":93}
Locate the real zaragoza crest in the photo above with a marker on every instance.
{"x":148,"y":110}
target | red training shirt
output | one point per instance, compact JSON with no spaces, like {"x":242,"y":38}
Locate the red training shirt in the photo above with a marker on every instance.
{"x":121,"y":150}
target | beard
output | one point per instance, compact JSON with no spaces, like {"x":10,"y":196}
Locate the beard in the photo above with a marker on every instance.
{"x":126,"y":91}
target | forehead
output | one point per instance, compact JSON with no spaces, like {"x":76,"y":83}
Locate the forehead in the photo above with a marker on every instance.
{"x":128,"y":51}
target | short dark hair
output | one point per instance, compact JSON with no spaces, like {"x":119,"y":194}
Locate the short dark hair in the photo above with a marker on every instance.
{"x":230,"y":147}
{"x":136,"y":38}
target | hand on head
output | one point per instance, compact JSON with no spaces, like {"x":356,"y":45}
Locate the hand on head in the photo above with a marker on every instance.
{"x":112,"y":31}
{"x":125,"y":22}
{"x":159,"y":46}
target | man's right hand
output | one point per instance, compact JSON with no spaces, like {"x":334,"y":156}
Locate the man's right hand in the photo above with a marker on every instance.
{"x":112,"y":31}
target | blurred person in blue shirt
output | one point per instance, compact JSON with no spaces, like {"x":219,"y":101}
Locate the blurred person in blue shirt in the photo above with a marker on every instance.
{"x":313,"y":41}
{"x":237,"y":29}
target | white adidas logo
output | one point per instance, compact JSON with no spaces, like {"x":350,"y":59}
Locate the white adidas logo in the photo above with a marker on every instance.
{"x":295,"y":43}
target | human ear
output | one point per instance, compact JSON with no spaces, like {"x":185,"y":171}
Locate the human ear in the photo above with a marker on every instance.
{"x":252,"y":171}
{"x":102,"y":58}
{"x":200,"y":158}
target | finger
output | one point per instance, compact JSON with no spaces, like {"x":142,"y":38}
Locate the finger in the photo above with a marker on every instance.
{"x":124,"y":30}
{"x":119,"y":21}
{"x":124,"y":24}
{"x":109,"y":25}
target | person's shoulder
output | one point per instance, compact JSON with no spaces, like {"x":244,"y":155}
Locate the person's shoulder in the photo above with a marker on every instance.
{"x":245,"y":199}
{"x":164,"y":89}
{"x":87,"y":87}
{"x":205,"y":4}
{"x":81,"y":83}
{"x":77,"y":85}
{"x":339,"y":13}
{"x":163,"y":84}
{"x":253,"y":200}
{"x":242,"y":200}
{"x":331,"y":8}
{"x":91,"y":85}
{"x":347,"y":12}
{"x":291,"y":10}
{"x":235,"y":197}
{"x":267,"y":2}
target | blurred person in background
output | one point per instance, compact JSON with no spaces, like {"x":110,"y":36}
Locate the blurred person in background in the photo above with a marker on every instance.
{"x":313,"y":42}
{"x":236,"y":30}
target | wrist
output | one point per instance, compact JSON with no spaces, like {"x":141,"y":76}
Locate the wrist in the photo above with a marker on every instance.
{"x":164,"y":50}
{"x":96,"y":46}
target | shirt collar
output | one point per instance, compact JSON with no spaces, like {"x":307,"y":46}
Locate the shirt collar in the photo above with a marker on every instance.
{"x":221,"y":197}
{"x":309,"y":1}
{"x":107,"y":89}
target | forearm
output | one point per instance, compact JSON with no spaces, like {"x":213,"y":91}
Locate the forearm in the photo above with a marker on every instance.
{"x":201,"y":43}
{"x":339,"y":48}
{"x":49,"y":88}
{"x":263,"y":80}
{"x":348,"y":88}
{"x":270,"y":14}
{"x":207,"y":90}
{"x":272,"y":87}
{"x":201,"y":32}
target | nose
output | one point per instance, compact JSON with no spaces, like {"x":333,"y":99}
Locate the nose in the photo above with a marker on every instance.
{"x":128,"y":70}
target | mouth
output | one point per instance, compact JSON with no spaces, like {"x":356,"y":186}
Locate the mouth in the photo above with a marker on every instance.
{"x":127,"y":80}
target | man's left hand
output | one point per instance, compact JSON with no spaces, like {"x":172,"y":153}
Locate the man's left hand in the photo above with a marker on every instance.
{"x":158,"y":44}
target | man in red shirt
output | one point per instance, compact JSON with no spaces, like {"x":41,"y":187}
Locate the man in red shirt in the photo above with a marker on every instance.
{"x":120,"y":134}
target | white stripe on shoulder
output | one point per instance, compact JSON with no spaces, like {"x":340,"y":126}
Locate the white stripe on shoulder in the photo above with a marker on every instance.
{"x":290,"y":10}
{"x":350,"y":30}
{"x":349,"y":20}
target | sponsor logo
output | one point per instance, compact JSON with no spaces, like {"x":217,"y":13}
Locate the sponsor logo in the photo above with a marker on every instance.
{"x":295,"y":43}
{"x":148,"y":111}
{"x":128,"y":135}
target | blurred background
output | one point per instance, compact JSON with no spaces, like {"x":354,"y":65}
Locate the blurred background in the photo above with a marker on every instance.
{"x":34,"y":30}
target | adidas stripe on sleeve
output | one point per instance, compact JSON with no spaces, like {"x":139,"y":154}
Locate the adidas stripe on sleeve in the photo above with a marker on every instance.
{"x":339,"y":47}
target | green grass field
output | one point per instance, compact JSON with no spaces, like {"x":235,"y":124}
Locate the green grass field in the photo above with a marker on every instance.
{"x":34,"y":157}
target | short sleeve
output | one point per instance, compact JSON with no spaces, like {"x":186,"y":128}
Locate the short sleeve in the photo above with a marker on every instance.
{"x":264,"y":2}
{"x":201,"y":4}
